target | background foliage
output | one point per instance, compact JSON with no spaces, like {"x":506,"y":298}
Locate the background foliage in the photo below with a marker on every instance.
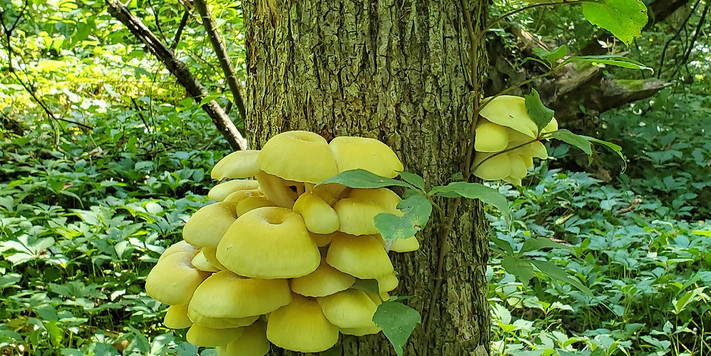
{"x":103,"y":159}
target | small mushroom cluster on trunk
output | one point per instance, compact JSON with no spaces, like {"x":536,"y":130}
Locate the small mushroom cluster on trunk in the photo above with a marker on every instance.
{"x":279,"y":259}
{"x":506,"y":140}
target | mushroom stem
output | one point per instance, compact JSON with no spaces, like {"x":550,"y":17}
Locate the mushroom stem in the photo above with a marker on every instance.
{"x":275,"y":191}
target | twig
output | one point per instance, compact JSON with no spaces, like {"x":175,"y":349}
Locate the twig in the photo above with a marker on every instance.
{"x":179,"y":32}
{"x":181,"y":72}
{"x":447,"y":226}
{"x":223,"y":57}
{"x":488,"y":27}
{"x":504,"y":151}
{"x":685,"y":58}
{"x":676,"y":34}
{"x":11,"y":69}
{"x":475,"y":39}
{"x":157,"y":20}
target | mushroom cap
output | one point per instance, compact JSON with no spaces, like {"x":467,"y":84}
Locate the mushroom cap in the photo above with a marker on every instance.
{"x":269,"y":243}
{"x":351,"y":308}
{"x":219,"y":323}
{"x":239,"y":164}
{"x":227,"y":295}
{"x":534,"y":149}
{"x":276,"y":190}
{"x":496,"y":167}
{"x":239,"y":195}
{"x":490,"y":137}
{"x":251,"y":203}
{"x":510,"y":111}
{"x":387,"y":282}
{"x":408,"y":244}
{"x":319,"y":217}
{"x":552,"y":126}
{"x":300,"y":156}
{"x":360,"y":256}
{"x":405,"y":245}
{"x":252,"y":342}
{"x":176,"y":317}
{"x":199,"y":335}
{"x":383,"y":197}
{"x":206,"y":227}
{"x":518,"y":166}
{"x":356,"y":217}
{"x":361,"y":331}
{"x":200,"y":262}
{"x":325,"y":280}
{"x":322,"y":240}
{"x":365,"y":153}
{"x":222,"y":190}
{"x":173,"y":279}
{"x":331,"y":192}
{"x":512,"y":180}
{"x":527,"y":160}
{"x":180,"y":246}
{"x":301,"y":326}
{"x":209,"y":253}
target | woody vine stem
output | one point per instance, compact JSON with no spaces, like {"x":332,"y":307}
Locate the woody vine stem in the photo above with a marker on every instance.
{"x":475,"y":39}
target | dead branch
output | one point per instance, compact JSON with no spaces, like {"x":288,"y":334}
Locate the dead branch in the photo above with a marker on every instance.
{"x":219,"y":46}
{"x":181,"y":72}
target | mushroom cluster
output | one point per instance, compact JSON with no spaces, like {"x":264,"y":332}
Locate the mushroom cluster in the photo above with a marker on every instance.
{"x":502,"y":132}
{"x":279,"y":259}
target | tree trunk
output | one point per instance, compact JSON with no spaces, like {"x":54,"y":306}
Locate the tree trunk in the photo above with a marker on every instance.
{"x":398,"y":71}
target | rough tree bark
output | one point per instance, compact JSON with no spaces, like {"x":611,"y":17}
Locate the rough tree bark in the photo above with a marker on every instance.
{"x":398,"y":71}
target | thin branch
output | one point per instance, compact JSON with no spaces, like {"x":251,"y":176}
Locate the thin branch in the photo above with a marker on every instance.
{"x":676,"y":34}
{"x":685,"y":58}
{"x":179,"y":32}
{"x":219,"y":47}
{"x":181,"y":72}
{"x":446,"y":228}
{"x":27,"y":87}
{"x":488,"y":27}
{"x":475,"y":39}
{"x":504,"y":151}
{"x":157,"y":20}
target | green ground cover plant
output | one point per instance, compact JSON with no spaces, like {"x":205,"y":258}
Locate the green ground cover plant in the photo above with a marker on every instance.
{"x":81,"y":231}
{"x":86,"y":211}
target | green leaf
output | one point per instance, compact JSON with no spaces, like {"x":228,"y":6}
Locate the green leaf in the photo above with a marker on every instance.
{"x":584,"y":143}
{"x":367,"y":285}
{"x":520,"y":268}
{"x":572,"y":139}
{"x":360,"y":178}
{"x":56,"y":334}
{"x":208,"y":98}
{"x":397,"y":321}
{"x":624,"y":18}
{"x":688,"y":297}
{"x":558,"y":273}
{"x":474,"y":191}
{"x":615,"y":148}
{"x":413,"y":179}
{"x":612,"y":60}
{"x":539,"y":243}
{"x":417,"y":211}
{"x":551,"y":56}
{"x":540,"y":114}
{"x":503,"y":244}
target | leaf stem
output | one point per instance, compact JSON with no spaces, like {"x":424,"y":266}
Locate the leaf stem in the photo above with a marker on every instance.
{"x":504,"y":151}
